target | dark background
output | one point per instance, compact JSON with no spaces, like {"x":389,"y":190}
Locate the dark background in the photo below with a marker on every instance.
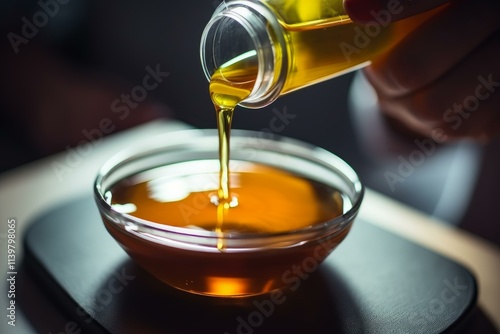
{"x":86,"y":54}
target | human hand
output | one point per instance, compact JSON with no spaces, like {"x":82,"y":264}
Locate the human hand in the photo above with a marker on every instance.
{"x":445,"y":76}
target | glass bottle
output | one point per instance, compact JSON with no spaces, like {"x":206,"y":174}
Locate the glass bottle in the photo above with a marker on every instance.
{"x":283,"y":45}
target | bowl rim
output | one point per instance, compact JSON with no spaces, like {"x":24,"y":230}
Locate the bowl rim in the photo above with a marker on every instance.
{"x":177,"y":138}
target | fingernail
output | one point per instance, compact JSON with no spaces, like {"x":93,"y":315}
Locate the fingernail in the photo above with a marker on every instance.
{"x":361,"y":10}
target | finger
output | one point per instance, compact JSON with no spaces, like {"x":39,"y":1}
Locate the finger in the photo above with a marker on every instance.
{"x":436,"y":47}
{"x":363,"y":11}
{"x":482,"y":125}
{"x":399,"y":113}
{"x":464,"y":102}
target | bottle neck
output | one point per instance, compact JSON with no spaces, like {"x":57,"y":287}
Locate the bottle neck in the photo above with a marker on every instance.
{"x":247,"y":30}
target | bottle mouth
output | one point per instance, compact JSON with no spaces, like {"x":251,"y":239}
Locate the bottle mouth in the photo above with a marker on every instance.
{"x":246,"y":31}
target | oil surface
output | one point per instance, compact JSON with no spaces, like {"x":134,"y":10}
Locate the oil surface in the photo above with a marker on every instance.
{"x":270,"y":200}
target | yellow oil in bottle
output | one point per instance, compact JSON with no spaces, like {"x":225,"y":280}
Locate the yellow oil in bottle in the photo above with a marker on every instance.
{"x":323,"y":42}
{"x":297,"y":44}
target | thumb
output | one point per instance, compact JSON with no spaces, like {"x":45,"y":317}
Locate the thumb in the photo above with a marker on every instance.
{"x":366,"y":10}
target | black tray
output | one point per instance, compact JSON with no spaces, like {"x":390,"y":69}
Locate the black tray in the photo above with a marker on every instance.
{"x":374,"y":282}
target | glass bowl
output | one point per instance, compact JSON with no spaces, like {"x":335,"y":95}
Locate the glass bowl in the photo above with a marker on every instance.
{"x":250,"y":262}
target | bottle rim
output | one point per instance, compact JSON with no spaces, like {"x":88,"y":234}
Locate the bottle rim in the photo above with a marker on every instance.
{"x":265,"y":33}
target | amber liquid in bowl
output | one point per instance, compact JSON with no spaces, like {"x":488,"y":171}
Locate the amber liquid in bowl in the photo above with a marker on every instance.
{"x":243,"y":206}
{"x":270,"y":201}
